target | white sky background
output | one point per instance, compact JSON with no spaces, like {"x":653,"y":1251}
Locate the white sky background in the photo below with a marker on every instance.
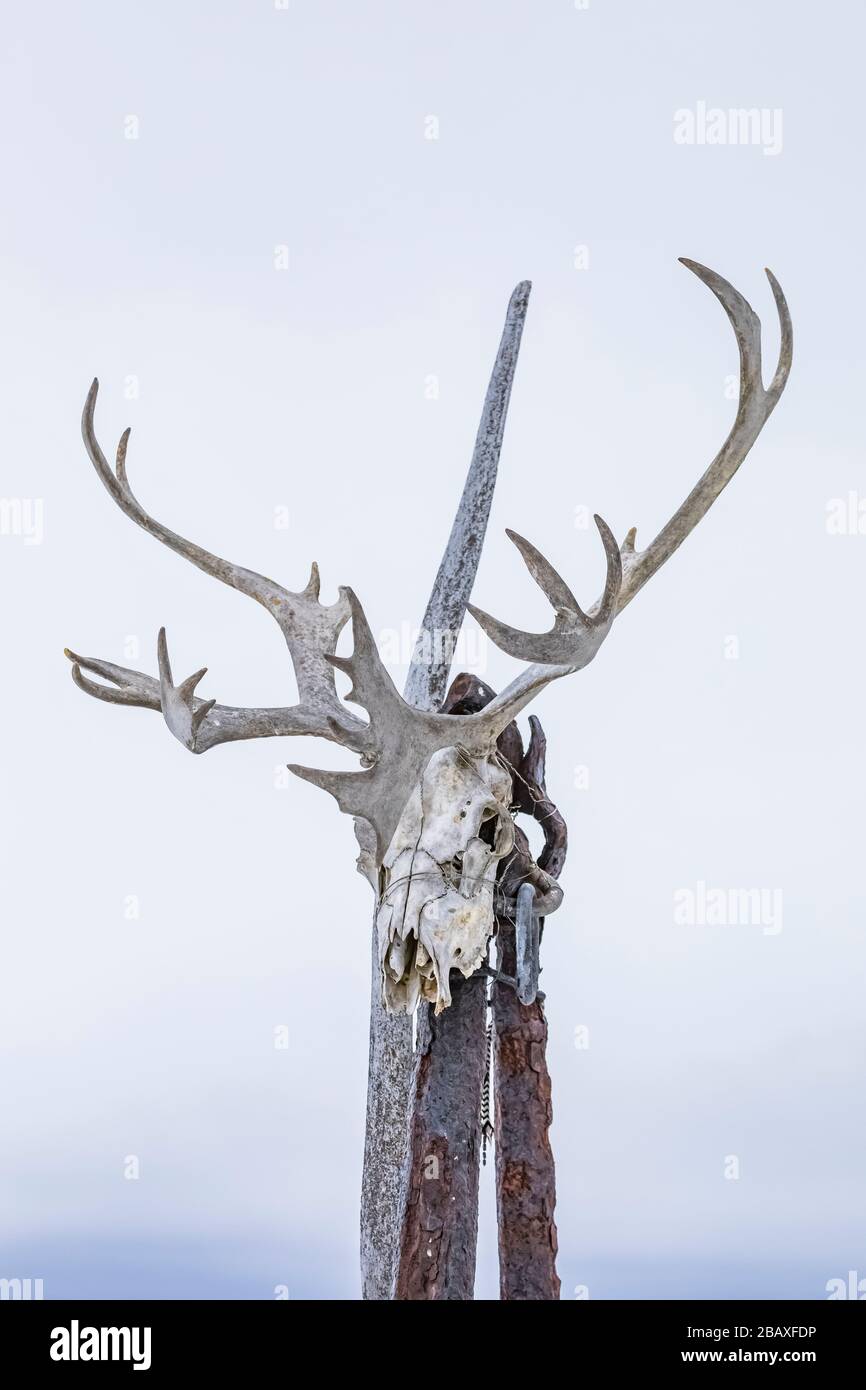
{"x":306,"y":389}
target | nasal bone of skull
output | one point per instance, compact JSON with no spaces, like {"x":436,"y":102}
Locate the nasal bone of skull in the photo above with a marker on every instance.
{"x":436,"y":912}
{"x":478,"y":855}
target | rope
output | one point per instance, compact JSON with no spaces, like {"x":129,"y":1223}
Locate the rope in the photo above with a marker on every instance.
{"x":486,"y":1126}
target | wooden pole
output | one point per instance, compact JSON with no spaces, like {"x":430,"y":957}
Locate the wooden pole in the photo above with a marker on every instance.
{"x":525,"y":1173}
{"x":391,"y":1082}
{"x":439,"y":1233}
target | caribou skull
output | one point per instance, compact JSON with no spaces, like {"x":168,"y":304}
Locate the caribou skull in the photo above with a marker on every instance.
{"x":436,"y":909}
{"x":431,"y":800}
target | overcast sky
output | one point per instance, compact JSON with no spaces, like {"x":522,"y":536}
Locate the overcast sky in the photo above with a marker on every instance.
{"x":284,"y":238}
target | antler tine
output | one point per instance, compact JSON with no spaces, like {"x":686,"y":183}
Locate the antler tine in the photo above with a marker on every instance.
{"x":756,"y":404}
{"x":226,"y":723}
{"x":127,"y":688}
{"x":575,"y":636}
{"x":183,"y":714}
{"x":404,"y":739}
{"x":116,"y":482}
{"x":310,"y":629}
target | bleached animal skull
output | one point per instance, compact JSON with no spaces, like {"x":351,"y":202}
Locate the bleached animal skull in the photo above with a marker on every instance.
{"x":428,"y":779}
{"x":436,"y":908}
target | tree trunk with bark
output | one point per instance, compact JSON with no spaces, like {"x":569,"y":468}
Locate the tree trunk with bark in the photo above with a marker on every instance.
{"x":388,"y":1091}
{"x":439,"y":1225}
{"x":525,"y":1174}
{"x":439,"y":1231}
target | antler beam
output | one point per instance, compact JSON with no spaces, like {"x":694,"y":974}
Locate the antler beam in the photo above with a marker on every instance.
{"x":574,"y":633}
{"x":310,"y":629}
{"x":756,"y":404}
{"x":224,"y":723}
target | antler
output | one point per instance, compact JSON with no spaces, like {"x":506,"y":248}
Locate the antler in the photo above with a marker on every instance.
{"x":310,"y":629}
{"x":756,"y":404}
{"x":406,"y":738}
{"x":225,"y":723}
{"x":574,"y":632}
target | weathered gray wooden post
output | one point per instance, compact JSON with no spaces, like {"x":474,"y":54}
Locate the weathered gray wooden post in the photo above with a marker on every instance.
{"x":388,"y":1164}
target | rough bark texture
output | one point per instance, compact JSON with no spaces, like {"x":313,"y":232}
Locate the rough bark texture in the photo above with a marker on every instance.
{"x":388,"y":1089}
{"x":438,"y":1262}
{"x":440,"y":1220}
{"x":525,"y":1174}
{"x":440,"y":1223}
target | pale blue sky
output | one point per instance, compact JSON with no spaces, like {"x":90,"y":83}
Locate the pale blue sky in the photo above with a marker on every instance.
{"x":259,"y":389}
